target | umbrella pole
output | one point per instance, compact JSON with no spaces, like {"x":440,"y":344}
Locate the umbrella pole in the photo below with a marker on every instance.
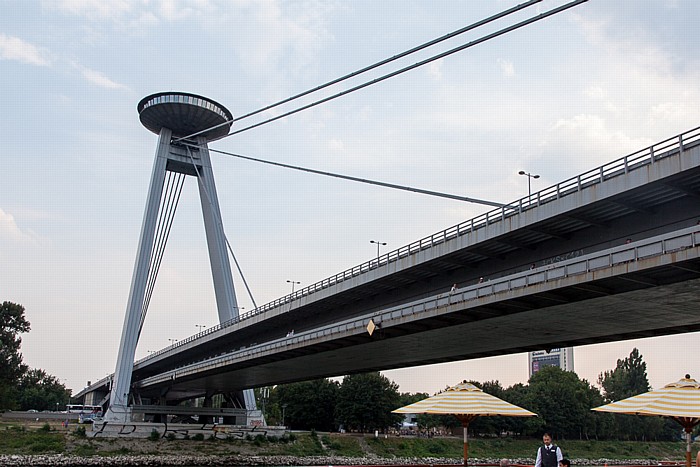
{"x":688,"y":437}
{"x":465,"y":426}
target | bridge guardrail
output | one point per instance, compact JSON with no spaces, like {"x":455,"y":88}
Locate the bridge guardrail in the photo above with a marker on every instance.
{"x":622,"y":166}
{"x":628,"y":253}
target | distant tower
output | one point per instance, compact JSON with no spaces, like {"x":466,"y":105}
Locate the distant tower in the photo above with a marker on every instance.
{"x":174,"y":115}
{"x":563,"y":358}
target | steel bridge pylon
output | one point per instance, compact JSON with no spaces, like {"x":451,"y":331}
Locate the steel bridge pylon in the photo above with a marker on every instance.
{"x":185,"y":124}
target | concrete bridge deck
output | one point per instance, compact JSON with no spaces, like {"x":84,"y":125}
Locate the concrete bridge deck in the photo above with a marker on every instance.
{"x":649,"y":193}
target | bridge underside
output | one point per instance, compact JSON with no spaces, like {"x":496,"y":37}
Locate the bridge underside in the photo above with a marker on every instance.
{"x":624,"y":302}
{"x":643,"y":197}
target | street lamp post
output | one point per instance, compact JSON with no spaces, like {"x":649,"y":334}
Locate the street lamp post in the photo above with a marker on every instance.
{"x":284,"y":407}
{"x":378,"y":244}
{"x":172,"y":341}
{"x":529,"y":177}
{"x":293,"y":284}
{"x":200,"y":327}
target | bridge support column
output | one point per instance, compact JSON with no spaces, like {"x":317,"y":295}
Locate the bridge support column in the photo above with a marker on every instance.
{"x":174,"y":116}
{"x":118,"y":406}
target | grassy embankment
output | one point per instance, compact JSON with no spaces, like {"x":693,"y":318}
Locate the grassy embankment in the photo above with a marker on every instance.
{"x":44,"y":439}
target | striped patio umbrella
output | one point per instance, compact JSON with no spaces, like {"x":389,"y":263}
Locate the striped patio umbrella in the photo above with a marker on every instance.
{"x":679,"y":401}
{"x":466,"y":402}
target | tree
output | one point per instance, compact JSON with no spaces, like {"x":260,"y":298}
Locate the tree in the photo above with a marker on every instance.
{"x":628,"y":379}
{"x":12,"y":323}
{"x":40,"y":391}
{"x":489,"y":425}
{"x":309,"y":404}
{"x":518,"y":394}
{"x":365,"y":402}
{"x":563,"y":401}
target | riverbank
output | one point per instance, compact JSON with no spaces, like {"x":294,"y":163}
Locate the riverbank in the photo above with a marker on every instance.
{"x":62,"y":460}
{"x":42,"y":444}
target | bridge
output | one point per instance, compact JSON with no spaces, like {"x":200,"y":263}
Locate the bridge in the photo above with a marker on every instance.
{"x":611,"y":254}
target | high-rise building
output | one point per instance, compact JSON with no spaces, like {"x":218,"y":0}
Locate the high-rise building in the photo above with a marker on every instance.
{"x":563,"y":358}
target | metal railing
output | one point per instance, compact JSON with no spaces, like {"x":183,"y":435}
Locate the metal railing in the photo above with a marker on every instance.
{"x":616,"y":168}
{"x":642,"y":249}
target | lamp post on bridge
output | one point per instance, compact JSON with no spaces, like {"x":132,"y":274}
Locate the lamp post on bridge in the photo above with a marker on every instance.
{"x":172,"y":341}
{"x":200,"y":327}
{"x":378,"y":244}
{"x":293,"y":284}
{"x":529,"y":177}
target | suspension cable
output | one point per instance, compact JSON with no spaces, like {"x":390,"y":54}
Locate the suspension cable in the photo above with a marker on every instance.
{"x":168,"y":205}
{"x":413,"y":50}
{"x":488,"y":37}
{"x":155,"y":247}
{"x":365,"y":180}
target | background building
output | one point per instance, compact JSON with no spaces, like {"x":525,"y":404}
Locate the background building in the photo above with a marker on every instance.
{"x":563,"y":358}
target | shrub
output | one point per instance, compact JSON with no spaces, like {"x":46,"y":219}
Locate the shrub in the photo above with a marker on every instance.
{"x":80,"y":432}
{"x":154,"y":436}
{"x":198,"y":437}
{"x":45,"y":427}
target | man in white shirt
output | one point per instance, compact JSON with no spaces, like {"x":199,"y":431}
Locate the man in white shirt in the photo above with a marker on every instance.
{"x":549,"y":454}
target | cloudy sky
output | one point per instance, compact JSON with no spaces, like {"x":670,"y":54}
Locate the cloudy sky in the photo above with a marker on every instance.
{"x":555,"y":98}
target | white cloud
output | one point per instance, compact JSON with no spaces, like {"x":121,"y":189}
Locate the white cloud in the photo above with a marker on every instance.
{"x":589,"y":138}
{"x":92,"y":8}
{"x":10,"y":231}
{"x":507,"y":67}
{"x":13,"y":48}
{"x":336,"y":145}
{"x":98,"y":78}
{"x":435,"y":69}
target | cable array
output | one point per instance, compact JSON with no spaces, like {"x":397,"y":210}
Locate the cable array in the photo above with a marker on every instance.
{"x":170,"y":198}
{"x":373,"y":66}
{"x":411,"y":67}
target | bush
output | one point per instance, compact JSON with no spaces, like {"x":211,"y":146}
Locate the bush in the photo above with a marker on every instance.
{"x":45,"y":427}
{"x":170,"y":436}
{"x":198,"y":437}
{"x":80,"y":432}
{"x":154,"y":436}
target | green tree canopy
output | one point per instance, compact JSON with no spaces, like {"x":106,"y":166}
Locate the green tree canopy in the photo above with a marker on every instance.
{"x":365,"y":402}
{"x":309,"y":404}
{"x":628,"y":379}
{"x":12,"y":324}
{"x":40,"y":391}
{"x":562,"y":400}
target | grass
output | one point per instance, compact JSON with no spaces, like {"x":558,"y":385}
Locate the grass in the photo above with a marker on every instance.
{"x":343,"y":445}
{"x":519,"y":449}
{"x":19,"y":439}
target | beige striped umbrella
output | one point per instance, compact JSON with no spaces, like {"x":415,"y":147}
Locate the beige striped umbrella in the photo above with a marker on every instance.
{"x":466,"y":402}
{"x":679,"y":401}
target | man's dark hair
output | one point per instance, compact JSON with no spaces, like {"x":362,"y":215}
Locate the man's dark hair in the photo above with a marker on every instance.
{"x":565,"y":462}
